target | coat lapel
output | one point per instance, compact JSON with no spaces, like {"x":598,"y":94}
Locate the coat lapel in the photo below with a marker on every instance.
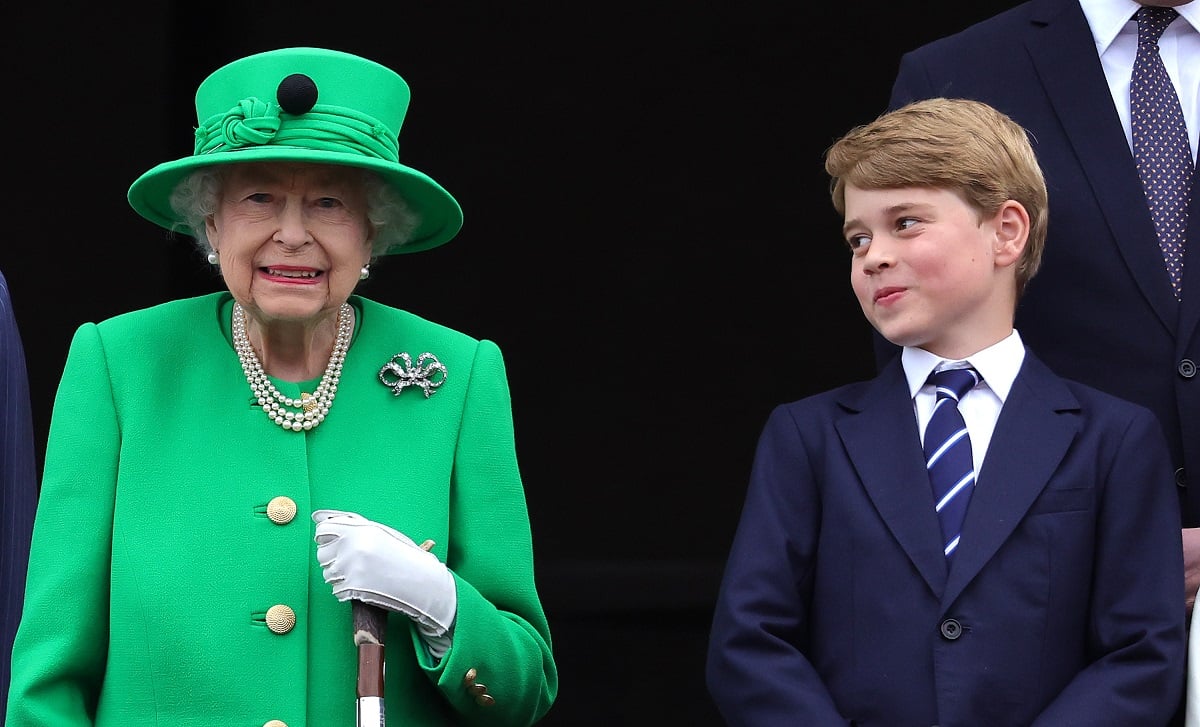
{"x":1029,"y":442}
{"x":884,"y":446}
{"x":1079,"y":94}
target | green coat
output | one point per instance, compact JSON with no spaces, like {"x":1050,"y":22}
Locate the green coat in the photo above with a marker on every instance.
{"x":154,"y":561}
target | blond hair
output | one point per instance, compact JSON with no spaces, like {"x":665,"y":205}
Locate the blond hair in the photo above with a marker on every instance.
{"x":959,"y":145}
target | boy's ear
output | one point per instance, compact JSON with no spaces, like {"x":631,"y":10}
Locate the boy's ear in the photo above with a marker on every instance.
{"x":1012,"y":232}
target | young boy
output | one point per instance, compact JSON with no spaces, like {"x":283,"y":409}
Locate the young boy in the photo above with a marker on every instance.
{"x":1042,"y":584}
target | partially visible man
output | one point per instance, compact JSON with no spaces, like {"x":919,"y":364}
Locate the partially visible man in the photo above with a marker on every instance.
{"x":1117,"y":302}
{"x":1105,"y":309}
{"x":18,"y":480}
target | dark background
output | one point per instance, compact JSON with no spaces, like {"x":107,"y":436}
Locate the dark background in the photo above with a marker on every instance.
{"x":648,"y":236}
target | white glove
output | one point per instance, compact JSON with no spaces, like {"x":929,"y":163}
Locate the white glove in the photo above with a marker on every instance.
{"x":366,"y":561}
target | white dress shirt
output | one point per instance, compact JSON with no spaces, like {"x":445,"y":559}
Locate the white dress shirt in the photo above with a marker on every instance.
{"x":1115,"y":33}
{"x":998,"y":364}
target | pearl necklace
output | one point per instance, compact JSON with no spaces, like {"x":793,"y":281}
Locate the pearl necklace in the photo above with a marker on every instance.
{"x":313,"y":407}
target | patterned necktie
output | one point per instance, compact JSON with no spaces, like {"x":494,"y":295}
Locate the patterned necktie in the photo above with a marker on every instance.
{"x":948,"y":452}
{"x":1160,"y":142}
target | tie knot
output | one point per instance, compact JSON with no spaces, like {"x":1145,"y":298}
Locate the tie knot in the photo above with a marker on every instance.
{"x":1152,"y":21}
{"x":954,"y":383}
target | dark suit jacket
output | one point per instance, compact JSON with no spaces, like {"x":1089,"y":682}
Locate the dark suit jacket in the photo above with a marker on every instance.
{"x":1100,"y":311}
{"x":1062,"y":605}
{"x":18,"y":480}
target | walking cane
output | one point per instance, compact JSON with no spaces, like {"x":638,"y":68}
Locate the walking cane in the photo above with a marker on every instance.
{"x":370,"y":624}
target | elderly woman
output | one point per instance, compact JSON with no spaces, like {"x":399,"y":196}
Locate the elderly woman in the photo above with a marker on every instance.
{"x":229,"y":476}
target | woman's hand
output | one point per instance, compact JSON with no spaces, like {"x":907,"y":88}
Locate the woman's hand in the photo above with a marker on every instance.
{"x":366,"y":561}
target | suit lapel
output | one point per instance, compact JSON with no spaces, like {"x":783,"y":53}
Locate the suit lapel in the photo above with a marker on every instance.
{"x":1027,"y":446}
{"x":884,"y":446}
{"x":1080,"y":97}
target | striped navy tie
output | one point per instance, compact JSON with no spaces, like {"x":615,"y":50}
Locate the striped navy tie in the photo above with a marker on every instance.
{"x":948,"y":453}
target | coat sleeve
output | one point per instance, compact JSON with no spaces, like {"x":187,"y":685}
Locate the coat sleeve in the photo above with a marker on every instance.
{"x":501,"y":630}
{"x":757,"y":669}
{"x":18,"y":479}
{"x":59,"y":653}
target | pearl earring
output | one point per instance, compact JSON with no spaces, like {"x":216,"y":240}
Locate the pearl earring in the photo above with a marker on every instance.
{"x":365,"y":272}
{"x":213,"y":257}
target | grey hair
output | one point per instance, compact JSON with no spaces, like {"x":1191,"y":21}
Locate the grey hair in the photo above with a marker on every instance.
{"x":194,"y":199}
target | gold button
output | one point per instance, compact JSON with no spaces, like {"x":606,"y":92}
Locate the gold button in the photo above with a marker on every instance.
{"x":281,"y":510}
{"x":281,"y":619}
{"x":469,"y":677}
{"x":275,"y":723}
{"x":485,"y":700}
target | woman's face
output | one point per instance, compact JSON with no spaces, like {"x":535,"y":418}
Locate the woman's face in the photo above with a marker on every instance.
{"x":292,"y":237}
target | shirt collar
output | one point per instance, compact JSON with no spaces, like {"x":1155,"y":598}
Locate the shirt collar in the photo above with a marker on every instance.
{"x":1107,"y":18}
{"x":998,"y":364}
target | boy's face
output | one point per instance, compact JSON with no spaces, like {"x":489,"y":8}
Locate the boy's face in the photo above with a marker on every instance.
{"x":928,"y":273}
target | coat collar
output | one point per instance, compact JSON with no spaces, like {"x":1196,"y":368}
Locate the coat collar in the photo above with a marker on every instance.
{"x":881,"y":438}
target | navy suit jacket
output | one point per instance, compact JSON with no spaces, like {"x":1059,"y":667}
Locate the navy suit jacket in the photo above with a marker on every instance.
{"x":1101,"y":310}
{"x":1062,"y":605}
{"x":18,"y":480}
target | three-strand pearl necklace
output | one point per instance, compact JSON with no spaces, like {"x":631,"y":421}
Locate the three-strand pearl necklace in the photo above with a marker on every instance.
{"x":314,"y":407}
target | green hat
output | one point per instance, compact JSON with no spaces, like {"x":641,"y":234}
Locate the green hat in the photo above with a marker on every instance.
{"x":304,"y":105}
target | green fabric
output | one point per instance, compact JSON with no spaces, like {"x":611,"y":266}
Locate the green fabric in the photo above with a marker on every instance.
{"x":331,"y":128}
{"x":153,"y":562}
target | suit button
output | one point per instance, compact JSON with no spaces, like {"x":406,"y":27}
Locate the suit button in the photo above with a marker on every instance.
{"x":280,"y":619}
{"x":281,"y":510}
{"x":1187,"y":368}
{"x":951,"y":629}
{"x":1180,"y":478}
